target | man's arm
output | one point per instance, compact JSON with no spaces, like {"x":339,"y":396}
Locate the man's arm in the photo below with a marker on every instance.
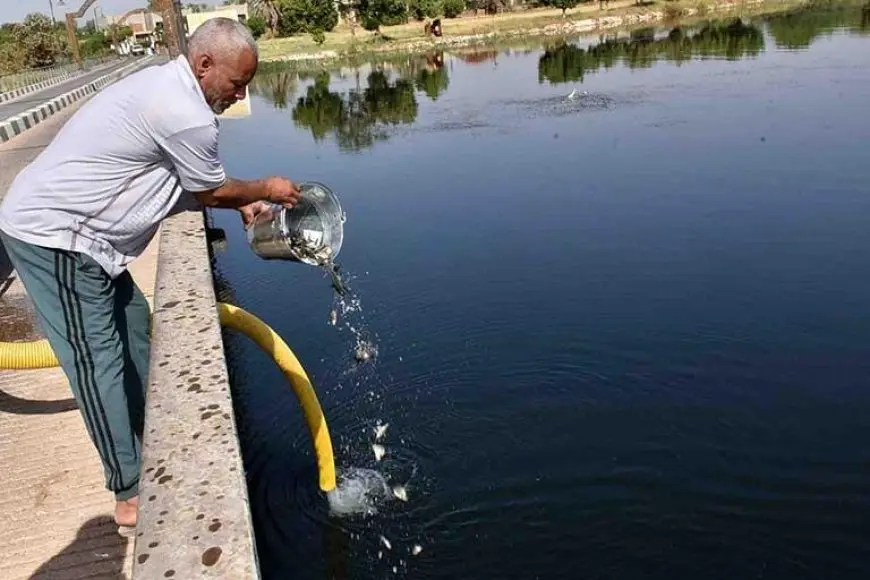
{"x":194,"y":154}
{"x":236,"y":193}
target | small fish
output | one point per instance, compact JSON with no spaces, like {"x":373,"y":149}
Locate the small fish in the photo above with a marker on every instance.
{"x":400,"y":492}
{"x":386,"y":543}
{"x":379,"y":451}
{"x":337,"y":283}
{"x":333,"y":317}
{"x":380,"y":431}
{"x":416,"y":549}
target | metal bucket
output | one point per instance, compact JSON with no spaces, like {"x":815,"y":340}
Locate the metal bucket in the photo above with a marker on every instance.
{"x":311,"y":232}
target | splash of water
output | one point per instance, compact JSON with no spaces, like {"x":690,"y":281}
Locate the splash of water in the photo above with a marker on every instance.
{"x":358,"y":491}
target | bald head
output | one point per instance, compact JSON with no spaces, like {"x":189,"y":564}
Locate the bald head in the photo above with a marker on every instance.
{"x":223,"y":55}
{"x":222,"y":36}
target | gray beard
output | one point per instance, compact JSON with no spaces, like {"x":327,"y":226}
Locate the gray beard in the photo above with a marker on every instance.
{"x":217,"y":106}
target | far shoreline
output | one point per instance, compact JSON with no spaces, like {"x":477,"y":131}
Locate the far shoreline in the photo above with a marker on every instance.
{"x":539,"y":24}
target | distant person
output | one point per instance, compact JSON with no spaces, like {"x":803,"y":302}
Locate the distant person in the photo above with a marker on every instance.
{"x":91,"y":202}
{"x":432,"y":28}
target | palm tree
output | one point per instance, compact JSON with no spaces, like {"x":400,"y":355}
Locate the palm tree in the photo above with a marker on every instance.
{"x":268,"y":10}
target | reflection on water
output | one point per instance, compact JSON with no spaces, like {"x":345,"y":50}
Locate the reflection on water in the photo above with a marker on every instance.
{"x":621,"y":334}
{"x":734,"y":40}
{"x":275,"y":85}
{"x":799,"y":28}
{"x":356,"y":118}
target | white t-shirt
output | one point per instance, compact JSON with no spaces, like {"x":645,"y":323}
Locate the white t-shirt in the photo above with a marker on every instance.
{"x":118,"y":167}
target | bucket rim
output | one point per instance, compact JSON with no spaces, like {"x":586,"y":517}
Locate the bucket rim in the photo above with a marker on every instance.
{"x":330,"y":192}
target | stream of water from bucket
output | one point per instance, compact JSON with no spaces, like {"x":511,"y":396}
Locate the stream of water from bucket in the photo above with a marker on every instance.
{"x":361,"y":492}
{"x":347,"y":309}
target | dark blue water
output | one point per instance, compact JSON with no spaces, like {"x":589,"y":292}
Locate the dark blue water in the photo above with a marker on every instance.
{"x":625,"y":335}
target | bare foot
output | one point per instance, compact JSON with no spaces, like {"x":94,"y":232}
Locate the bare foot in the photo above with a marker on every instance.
{"x":125,"y":512}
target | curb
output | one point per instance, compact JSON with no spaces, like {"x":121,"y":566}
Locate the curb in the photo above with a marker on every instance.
{"x":17,"y":125}
{"x":27,"y":89}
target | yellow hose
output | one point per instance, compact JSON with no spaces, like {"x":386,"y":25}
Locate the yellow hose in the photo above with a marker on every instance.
{"x":27,"y":355}
{"x":267,"y":339}
{"x":39,"y":354}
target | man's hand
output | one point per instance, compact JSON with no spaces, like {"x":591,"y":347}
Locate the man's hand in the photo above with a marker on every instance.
{"x":237,"y":194}
{"x":281,"y":191}
{"x":252,"y":210}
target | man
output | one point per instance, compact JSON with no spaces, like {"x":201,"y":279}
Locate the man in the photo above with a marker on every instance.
{"x":91,"y":202}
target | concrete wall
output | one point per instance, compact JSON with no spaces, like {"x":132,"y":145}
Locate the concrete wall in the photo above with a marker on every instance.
{"x":194,"y":518}
{"x":195,"y":19}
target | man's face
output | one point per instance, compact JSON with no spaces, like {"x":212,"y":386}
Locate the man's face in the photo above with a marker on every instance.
{"x":223,"y":79}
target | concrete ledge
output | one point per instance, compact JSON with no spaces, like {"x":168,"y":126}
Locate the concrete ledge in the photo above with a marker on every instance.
{"x":194,"y":516}
{"x":50,"y":82}
{"x":14,"y":126}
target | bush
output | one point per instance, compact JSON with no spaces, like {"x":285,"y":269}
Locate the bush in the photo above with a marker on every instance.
{"x":94,"y":45}
{"x":298,"y":16}
{"x":453,"y":8}
{"x":257,"y":24}
{"x":422,"y":9}
{"x":318,"y":36}
{"x":41,"y":42}
{"x":12,"y":57}
{"x":377,"y":13}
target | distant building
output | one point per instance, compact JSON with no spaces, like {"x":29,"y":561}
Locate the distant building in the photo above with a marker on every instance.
{"x":145,"y":26}
{"x":195,"y":19}
{"x":142,"y":21}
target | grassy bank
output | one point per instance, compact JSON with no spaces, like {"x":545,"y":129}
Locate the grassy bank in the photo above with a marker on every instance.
{"x":470,"y":30}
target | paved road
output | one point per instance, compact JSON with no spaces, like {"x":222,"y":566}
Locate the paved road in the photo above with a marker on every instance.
{"x":18,"y":106}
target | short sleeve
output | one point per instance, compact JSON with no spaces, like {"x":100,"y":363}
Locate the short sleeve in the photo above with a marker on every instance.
{"x":194,"y":153}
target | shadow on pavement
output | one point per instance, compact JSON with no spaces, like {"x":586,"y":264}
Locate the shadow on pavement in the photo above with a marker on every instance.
{"x":96,"y":552}
{"x":17,"y":406}
{"x":5,"y":271}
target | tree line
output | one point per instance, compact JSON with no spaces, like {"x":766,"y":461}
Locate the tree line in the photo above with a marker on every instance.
{"x":288,"y":17}
{"x":37,"y":42}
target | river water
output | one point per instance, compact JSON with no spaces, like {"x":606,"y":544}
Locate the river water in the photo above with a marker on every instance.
{"x":621,"y":335}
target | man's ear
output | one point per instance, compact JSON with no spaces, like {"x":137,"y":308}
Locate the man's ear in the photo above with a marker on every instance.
{"x":204,"y":63}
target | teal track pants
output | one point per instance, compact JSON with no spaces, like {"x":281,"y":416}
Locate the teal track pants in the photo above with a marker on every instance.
{"x":98,"y":328}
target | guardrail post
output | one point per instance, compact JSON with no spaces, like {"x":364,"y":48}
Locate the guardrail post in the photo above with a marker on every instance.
{"x":174,"y":27}
{"x":73,"y":39}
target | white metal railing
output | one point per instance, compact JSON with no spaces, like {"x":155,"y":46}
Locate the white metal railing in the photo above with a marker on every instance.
{"x":33,"y":76}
